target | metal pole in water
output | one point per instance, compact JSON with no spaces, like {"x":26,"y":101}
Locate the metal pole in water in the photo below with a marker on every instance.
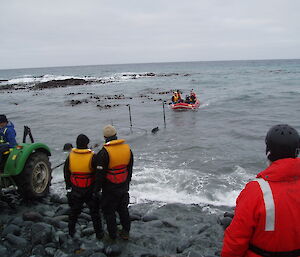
{"x":164,"y":114}
{"x":130,"y":117}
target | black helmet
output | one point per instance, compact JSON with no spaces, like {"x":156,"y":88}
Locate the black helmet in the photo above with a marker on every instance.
{"x":282,"y":141}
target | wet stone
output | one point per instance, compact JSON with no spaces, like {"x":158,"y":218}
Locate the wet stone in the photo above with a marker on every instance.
{"x":60,"y":253}
{"x":38,"y":250}
{"x":112,"y":250}
{"x":147,"y":218}
{"x":87,"y":232}
{"x":58,"y":199}
{"x":16,"y":241}
{"x":18,"y":253}
{"x":63,"y":209}
{"x":11,"y":229}
{"x":98,"y":255}
{"x":3,"y":251}
{"x":50,"y":250}
{"x":32,"y":216}
{"x":17,"y":221}
{"x":41,"y":233}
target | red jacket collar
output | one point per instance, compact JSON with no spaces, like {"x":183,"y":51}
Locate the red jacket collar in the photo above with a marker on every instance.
{"x":282,"y":170}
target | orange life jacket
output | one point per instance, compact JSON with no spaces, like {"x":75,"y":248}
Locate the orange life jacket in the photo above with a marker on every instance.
{"x":119,"y":158}
{"x":80,"y":167}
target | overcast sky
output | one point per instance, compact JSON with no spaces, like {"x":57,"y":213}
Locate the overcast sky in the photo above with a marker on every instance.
{"x":43,"y":33}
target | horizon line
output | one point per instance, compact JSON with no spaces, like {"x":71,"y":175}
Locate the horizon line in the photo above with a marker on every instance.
{"x":134,"y":63}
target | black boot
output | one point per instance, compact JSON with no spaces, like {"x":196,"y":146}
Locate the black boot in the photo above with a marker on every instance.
{"x":72,"y":229}
{"x":98,"y":226}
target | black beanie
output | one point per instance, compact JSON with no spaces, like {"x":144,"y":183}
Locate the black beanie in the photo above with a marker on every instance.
{"x":82,"y":141}
{"x":3,"y":118}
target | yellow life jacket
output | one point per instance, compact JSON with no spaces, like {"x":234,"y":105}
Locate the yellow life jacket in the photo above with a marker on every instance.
{"x":80,"y":161}
{"x":119,"y":158}
{"x":175,"y":98}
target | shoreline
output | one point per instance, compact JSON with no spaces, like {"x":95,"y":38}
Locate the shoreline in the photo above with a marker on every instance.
{"x":168,"y":230}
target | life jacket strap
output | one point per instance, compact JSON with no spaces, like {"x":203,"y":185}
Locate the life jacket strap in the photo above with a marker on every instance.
{"x":117,"y":175}
{"x":82,"y":179}
{"x":264,"y":253}
{"x":117,"y":171}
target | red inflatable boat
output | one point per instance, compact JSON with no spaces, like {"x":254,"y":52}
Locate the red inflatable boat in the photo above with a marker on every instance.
{"x":185,"y":106}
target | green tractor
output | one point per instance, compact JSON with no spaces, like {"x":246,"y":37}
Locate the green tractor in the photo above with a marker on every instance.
{"x":28,"y":168}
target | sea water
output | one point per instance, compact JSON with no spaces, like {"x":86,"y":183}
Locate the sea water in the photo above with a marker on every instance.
{"x":203,"y":157}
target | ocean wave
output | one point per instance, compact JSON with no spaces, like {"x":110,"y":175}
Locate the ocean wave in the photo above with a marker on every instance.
{"x":30,"y":80}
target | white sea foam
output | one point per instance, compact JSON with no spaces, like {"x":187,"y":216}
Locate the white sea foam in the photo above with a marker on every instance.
{"x":183,"y":186}
{"x":28,"y":79}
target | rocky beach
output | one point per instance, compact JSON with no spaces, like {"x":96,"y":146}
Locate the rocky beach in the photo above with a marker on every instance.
{"x":40,"y":229}
{"x":188,"y":168}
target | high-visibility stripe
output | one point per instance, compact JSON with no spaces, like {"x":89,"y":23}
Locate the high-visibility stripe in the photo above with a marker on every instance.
{"x":269,"y":203}
{"x":2,"y":140}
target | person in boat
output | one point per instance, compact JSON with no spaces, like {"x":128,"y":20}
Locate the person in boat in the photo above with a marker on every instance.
{"x":266,"y":219}
{"x":175,"y":97}
{"x":180,"y":100}
{"x":193,"y":97}
{"x":7,"y":138}
{"x":187,"y":99}
{"x":114,"y":166}
{"x":80,"y":184}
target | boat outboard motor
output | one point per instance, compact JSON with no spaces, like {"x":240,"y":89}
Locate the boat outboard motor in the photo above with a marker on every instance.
{"x":282,"y":141}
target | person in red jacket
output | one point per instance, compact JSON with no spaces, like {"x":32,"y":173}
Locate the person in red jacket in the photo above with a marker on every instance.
{"x":266,"y":221}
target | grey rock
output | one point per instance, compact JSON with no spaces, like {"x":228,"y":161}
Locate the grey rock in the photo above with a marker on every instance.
{"x":183,"y":245}
{"x":52,"y":221}
{"x":112,"y":250}
{"x":194,"y":254}
{"x":135,"y":216}
{"x":32,"y":216}
{"x":63,"y":209}
{"x":92,"y":245}
{"x":87,"y":232}
{"x":41,"y":233}
{"x":60,"y":83}
{"x":61,"y":237}
{"x":58,"y":199}
{"x":3,"y":205}
{"x":49,"y":213}
{"x":225,"y":222}
{"x":169,"y":223}
{"x":156,"y":223}
{"x":16,"y":241}
{"x":17,"y":253}
{"x":60,"y":253}
{"x":50,"y":251}
{"x":11,"y":229}
{"x":38,"y":250}
{"x":85,"y":216}
{"x":3,"y":251}
{"x":98,"y":255}
{"x":202,"y":229}
{"x":63,"y":224}
{"x":62,"y":218}
{"x":229,"y":214}
{"x":147,"y":218}
{"x":17,"y":221}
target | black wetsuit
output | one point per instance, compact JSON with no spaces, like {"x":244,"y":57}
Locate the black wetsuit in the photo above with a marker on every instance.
{"x":76,"y":199}
{"x":115,"y":197}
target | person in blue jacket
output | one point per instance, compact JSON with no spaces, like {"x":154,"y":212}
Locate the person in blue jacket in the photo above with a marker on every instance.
{"x":7,"y":136}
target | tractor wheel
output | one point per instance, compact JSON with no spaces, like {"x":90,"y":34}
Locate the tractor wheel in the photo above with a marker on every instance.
{"x":35,"y":179}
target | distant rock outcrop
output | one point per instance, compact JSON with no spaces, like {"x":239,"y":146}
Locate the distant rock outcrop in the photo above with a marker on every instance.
{"x":61,"y":83}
